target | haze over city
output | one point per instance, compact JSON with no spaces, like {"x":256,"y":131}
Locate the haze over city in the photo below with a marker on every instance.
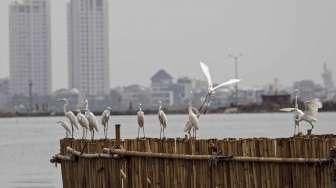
{"x":277,"y":39}
{"x":187,"y":93}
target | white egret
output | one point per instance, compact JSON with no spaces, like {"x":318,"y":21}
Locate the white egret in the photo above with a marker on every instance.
{"x":141,"y":121}
{"x":93,"y":124}
{"x":66,"y":127}
{"x":162,"y":119}
{"x":211,"y":87}
{"x":193,"y":121}
{"x":105,"y":117}
{"x":70,"y":116}
{"x":84,"y":122}
{"x":309,"y":115}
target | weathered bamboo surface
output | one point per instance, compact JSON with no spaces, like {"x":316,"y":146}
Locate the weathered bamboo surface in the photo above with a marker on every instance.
{"x":254,"y":162}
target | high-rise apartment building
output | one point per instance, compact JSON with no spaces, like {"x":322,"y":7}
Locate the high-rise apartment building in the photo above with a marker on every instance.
{"x":88,"y":56}
{"x":30,"y":47}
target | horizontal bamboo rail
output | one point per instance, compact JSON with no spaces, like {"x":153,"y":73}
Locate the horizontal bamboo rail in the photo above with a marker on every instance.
{"x":118,"y":153}
{"x":215,"y":157}
{"x":89,"y":155}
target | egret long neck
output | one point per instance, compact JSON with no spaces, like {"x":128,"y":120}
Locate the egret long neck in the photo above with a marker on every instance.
{"x":65,"y":108}
{"x":86,"y":106}
{"x":190,"y":109}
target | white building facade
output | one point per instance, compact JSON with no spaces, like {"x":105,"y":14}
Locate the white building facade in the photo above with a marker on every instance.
{"x":30,"y":47}
{"x":88,"y":37}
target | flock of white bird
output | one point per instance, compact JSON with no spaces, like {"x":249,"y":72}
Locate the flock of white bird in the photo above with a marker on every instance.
{"x":88,"y":121}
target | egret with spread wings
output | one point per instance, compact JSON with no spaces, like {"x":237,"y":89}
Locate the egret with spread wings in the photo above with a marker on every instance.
{"x":211,"y":87}
{"x":309,"y":115}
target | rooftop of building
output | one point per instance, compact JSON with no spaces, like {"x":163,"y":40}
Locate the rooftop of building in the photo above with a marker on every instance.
{"x":161,"y":75}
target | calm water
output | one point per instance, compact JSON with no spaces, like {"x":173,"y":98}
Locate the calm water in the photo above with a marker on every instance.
{"x":26,"y":144}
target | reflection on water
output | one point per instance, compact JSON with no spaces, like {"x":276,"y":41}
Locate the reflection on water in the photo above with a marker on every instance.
{"x":26,"y":144}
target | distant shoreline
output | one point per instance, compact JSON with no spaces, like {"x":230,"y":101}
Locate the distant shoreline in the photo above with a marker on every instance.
{"x":150,"y":112}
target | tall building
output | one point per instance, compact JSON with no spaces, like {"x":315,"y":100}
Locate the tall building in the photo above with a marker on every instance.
{"x":30,"y":48}
{"x":88,"y":56}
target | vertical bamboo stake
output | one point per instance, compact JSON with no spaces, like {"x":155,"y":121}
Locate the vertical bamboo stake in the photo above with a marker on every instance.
{"x":117,"y":133}
{"x":333,"y":173}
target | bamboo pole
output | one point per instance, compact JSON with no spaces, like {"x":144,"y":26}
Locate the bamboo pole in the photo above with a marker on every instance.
{"x":117,"y":133}
{"x":208,"y":157}
{"x":58,"y":158}
{"x":89,"y":155}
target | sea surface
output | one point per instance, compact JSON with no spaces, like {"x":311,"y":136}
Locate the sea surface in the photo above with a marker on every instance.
{"x":27,"y":144}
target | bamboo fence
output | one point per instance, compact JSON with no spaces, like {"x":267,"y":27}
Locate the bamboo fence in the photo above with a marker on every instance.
{"x":306,"y":161}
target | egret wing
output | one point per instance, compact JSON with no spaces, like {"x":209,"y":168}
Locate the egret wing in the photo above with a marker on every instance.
{"x":163,"y":118}
{"x":92,"y":121}
{"x":72,"y":118}
{"x":206,"y":72}
{"x":299,"y":112}
{"x":82,"y":120}
{"x":187,"y":126}
{"x":312,"y":107}
{"x":141,"y":118}
{"x":65,"y":126}
{"x":194,"y":121}
{"x":105,"y":117}
{"x":230,"y":82}
{"x":287,"y":109}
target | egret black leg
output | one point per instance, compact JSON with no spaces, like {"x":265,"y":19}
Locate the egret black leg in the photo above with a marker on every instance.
{"x":143,"y":129}
{"x":86,"y":133}
{"x":106,"y":129}
{"x":105,"y":132}
{"x":195,"y":134}
{"x":72,"y":131}
{"x":160,"y":132}
{"x":138,"y":132}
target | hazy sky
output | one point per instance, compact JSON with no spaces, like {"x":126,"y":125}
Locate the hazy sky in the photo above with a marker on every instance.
{"x":286,"y":39}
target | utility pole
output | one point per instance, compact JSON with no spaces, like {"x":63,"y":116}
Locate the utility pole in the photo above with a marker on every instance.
{"x":235,"y":59}
{"x":30,"y":85}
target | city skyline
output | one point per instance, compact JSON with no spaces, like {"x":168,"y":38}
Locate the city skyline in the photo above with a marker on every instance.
{"x":140,"y":41}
